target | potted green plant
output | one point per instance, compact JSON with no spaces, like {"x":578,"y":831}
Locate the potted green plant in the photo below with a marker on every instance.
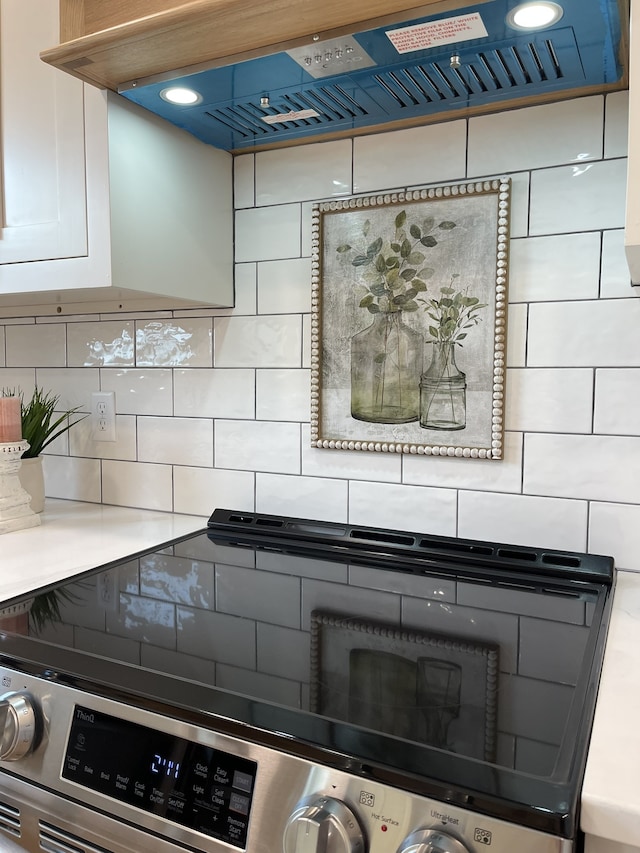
{"x":42,"y":423}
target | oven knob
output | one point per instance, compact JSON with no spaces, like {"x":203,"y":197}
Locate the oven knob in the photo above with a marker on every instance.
{"x":323,"y":825}
{"x":431,"y":841}
{"x":17,"y":725}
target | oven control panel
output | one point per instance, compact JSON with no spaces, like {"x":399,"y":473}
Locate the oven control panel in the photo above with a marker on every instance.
{"x":104,"y":764}
{"x":205,"y":789}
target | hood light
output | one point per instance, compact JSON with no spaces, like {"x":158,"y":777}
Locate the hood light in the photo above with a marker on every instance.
{"x":535,"y":15}
{"x":181,"y":96}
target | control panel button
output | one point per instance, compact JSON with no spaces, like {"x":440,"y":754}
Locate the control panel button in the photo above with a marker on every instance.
{"x":18,"y":726}
{"x":323,"y":825}
{"x":432,"y":841}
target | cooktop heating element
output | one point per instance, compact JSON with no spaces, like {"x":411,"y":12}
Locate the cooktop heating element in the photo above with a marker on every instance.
{"x":284,"y":684}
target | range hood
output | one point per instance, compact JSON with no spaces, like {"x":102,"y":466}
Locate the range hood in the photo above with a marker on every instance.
{"x":401,"y":69}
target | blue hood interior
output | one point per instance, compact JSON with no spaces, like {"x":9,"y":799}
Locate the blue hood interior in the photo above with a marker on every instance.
{"x":582,"y":51}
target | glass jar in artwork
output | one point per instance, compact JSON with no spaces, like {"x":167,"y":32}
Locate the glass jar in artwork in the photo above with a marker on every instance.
{"x":443,"y":391}
{"x":386,"y":364}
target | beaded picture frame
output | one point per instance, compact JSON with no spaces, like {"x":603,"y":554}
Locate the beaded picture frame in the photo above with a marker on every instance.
{"x":409,"y":321}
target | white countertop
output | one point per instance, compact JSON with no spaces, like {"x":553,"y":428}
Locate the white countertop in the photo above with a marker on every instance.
{"x":611,"y":790}
{"x":74,"y":537}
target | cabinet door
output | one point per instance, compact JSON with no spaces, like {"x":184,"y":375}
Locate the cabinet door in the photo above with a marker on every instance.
{"x":41,"y":139}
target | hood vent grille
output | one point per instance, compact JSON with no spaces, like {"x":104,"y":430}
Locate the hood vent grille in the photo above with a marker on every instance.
{"x":373,"y":95}
{"x":493,"y":71}
{"x":332,"y":103}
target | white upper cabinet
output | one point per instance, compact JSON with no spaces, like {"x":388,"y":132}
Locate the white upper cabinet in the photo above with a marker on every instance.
{"x":104,"y":206}
{"x":42,"y":134}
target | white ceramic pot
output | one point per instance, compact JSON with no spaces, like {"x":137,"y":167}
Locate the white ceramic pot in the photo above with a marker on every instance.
{"x":32,"y":481}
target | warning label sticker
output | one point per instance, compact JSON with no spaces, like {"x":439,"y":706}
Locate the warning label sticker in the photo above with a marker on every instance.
{"x":294,"y":115}
{"x":435,"y":33}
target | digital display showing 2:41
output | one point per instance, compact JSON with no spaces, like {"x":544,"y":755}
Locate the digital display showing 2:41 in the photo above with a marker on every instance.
{"x":163,"y":766}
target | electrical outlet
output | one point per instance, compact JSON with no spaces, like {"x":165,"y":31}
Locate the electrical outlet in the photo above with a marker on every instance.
{"x":103,"y":415}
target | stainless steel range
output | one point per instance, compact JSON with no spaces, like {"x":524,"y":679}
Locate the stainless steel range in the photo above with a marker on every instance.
{"x":273,"y":684}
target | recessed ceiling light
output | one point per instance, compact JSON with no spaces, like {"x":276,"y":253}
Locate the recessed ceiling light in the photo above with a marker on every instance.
{"x":181,"y":96}
{"x":535,"y":15}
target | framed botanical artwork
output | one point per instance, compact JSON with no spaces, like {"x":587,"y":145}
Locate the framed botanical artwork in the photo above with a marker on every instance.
{"x":427,"y":688}
{"x":409,"y":318}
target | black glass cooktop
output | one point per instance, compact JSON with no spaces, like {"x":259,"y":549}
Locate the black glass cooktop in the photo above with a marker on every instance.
{"x":431,"y":663}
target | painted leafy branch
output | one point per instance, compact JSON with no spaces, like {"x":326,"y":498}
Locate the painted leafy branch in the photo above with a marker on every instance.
{"x":394,"y":271}
{"x":452,"y":314}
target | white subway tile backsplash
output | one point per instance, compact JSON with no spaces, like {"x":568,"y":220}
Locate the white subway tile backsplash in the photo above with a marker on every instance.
{"x":614,"y":530}
{"x":302,"y":497}
{"x":416,"y":508}
{"x":140,"y":392}
{"x":136,"y":484}
{"x":41,"y":345}
{"x":413,"y":157}
{"x":73,"y":385}
{"x":448,"y":472}
{"x":264,"y":341}
{"x":546,"y":269}
{"x":519,"y":208}
{"x":284,"y":287}
{"x":617,"y":409}
{"x":534,"y":137}
{"x":73,"y":479}
{"x":18,"y":379}
{"x":282,"y":395}
{"x":523,"y":520}
{"x":218,"y":393}
{"x":584,"y":197}
{"x":318,"y":170}
{"x":616,"y":124}
{"x":549,"y":400}
{"x":590,"y":467}
{"x":584,"y":334}
{"x":381,"y":467}
{"x":198,"y":491}
{"x":306,"y":341}
{"x":615,"y":278}
{"x":174,"y":343}
{"x":517,"y":316}
{"x":307,"y":215}
{"x":99,"y":344}
{"x":177,"y":441}
{"x":258,"y":446}
{"x":267,"y":233}
{"x":244,"y":180}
